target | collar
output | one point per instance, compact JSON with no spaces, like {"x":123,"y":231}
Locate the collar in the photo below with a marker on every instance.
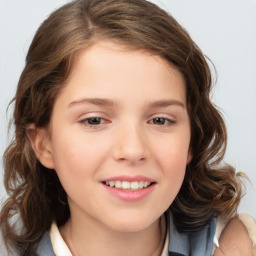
{"x":198,"y":243}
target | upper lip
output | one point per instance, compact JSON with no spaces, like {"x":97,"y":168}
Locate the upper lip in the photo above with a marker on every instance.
{"x":129,"y":178}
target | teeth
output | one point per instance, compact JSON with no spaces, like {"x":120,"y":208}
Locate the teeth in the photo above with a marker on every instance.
{"x":141,"y":184}
{"x":126,"y":185}
{"x":134,"y":185}
{"x":118,"y":184}
{"x":146,"y":184}
{"x":111,"y":183}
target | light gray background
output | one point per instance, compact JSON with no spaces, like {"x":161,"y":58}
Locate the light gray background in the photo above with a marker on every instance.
{"x":224,"y":29}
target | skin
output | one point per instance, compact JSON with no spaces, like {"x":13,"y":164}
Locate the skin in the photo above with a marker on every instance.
{"x":234,"y":240}
{"x":138,"y":88}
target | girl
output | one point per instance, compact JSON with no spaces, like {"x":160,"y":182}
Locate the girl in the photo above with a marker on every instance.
{"x":117,"y":147}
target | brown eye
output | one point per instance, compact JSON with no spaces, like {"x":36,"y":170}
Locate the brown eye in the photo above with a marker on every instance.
{"x":159,"y":121}
{"x":93,"y":121}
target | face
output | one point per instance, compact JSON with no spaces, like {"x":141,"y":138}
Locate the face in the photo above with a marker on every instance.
{"x":120,"y":136}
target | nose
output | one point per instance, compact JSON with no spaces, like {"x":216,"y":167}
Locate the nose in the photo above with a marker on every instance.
{"x":130,"y":145}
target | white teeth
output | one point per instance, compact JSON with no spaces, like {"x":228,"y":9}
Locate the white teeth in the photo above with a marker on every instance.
{"x":118,"y":184}
{"x":134,"y":185}
{"x":146,"y":184}
{"x":126,"y":185}
{"x":111,"y":183}
{"x":141,"y":184}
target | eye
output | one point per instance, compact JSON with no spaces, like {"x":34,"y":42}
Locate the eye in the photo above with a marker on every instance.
{"x":93,"y":121}
{"x":161,"y":121}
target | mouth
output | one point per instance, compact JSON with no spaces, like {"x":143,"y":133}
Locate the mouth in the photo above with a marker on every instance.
{"x":129,"y":189}
{"x":127,"y":185}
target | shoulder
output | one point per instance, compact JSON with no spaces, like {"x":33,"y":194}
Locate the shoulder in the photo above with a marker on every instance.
{"x":238,"y":237}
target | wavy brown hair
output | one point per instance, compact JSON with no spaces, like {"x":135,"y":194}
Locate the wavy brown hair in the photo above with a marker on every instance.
{"x":35,"y":192}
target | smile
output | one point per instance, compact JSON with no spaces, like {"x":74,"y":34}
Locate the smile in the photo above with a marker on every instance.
{"x":129,"y":188}
{"x":127,"y":185}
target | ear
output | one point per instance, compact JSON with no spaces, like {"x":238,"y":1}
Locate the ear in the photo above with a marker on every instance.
{"x":190,"y":156}
{"x":41,"y":144}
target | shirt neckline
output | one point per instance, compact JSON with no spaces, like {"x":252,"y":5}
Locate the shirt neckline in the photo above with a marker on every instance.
{"x":60,"y":247}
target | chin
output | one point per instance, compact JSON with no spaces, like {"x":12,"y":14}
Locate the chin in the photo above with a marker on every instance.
{"x":132,"y":224}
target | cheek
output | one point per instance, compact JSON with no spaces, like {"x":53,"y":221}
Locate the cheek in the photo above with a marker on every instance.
{"x":71,"y":158}
{"x":174,"y":167}
{"x":172,"y":159}
{"x":174,"y":152}
{"x":78,"y":159}
{"x":74,"y":167}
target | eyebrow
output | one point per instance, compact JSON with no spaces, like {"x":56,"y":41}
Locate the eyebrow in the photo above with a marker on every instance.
{"x":109,"y":103}
{"x":93,"y":101}
{"x":166,"y":103}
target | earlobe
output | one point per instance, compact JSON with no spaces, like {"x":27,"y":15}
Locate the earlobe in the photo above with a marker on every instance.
{"x":41,"y":144}
{"x":190,"y":156}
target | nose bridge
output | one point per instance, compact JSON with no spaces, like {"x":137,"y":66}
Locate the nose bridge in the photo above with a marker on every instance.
{"x":130,"y":142}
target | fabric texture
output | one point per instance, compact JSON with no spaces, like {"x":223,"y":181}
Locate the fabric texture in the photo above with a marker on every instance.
{"x":45,"y":246}
{"x":192,"y":244}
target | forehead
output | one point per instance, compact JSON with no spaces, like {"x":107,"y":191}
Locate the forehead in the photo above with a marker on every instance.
{"x":98,"y":51}
{"x":107,"y":69}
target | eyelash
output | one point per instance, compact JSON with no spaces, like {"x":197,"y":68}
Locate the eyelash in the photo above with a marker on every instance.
{"x":86,"y":121}
{"x":167,"y":121}
{"x":163,"y":121}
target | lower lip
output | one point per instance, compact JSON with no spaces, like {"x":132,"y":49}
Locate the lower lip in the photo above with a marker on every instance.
{"x":130,"y":195}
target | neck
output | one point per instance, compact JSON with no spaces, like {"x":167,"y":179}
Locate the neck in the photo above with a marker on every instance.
{"x":89,"y":238}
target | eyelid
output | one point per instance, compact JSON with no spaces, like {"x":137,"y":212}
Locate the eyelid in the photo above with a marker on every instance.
{"x":170,"y":121}
{"x":163,"y":115}
{"x":92,"y":115}
{"x":87,"y":118}
{"x":83,"y":120}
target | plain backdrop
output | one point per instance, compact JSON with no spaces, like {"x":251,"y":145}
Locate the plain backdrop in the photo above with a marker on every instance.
{"x":224,"y":29}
